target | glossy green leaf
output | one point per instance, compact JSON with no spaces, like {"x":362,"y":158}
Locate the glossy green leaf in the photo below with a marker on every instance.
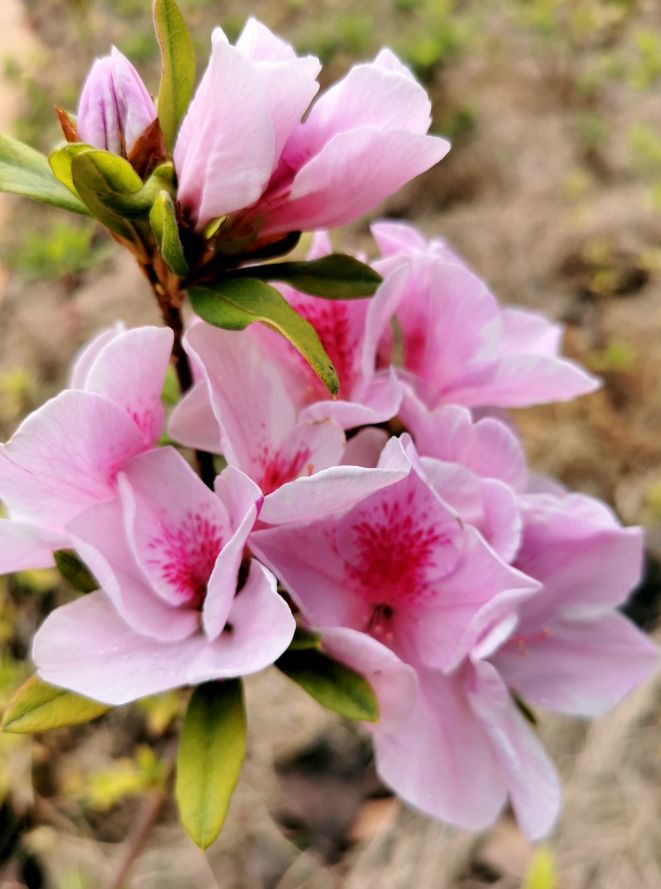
{"x":211,"y":751}
{"x":163,"y":219}
{"x":26,"y":172}
{"x":234,"y":303}
{"x":38,"y":707}
{"x":178,"y":71}
{"x":99,"y":177}
{"x":337,"y":276}
{"x":74,"y":571}
{"x":331,"y":683}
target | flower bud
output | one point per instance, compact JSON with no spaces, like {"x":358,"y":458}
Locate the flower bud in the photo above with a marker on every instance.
{"x":115,"y":107}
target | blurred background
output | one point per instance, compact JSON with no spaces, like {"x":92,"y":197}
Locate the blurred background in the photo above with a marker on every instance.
{"x":553,"y":193}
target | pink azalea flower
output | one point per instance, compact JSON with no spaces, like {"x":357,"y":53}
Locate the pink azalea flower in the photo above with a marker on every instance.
{"x":251,"y":97}
{"x":459,"y":346}
{"x":115,"y":107}
{"x":65,"y":456}
{"x":405,"y":592}
{"x":167,"y":553}
{"x":572,"y":651}
{"x":350,"y":331}
{"x":243,"y":409}
{"x":242,"y":147}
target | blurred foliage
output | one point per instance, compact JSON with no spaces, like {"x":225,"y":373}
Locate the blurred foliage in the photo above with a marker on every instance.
{"x":126,"y":777}
{"x":64,"y":248}
{"x":541,"y":873}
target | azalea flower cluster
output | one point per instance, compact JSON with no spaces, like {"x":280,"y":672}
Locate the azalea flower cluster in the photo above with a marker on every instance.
{"x":397,"y":523}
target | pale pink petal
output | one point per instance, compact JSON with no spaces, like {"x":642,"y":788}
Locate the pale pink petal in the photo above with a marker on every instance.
{"x":395,"y":238}
{"x":65,"y":456}
{"x":487,"y":447}
{"x":176,"y":526}
{"x":601,"y":561}
{"x":393,"y":681}
{"x":99,"y":537}
{"x":225,"y":149}
{"x":525,"y":380}
{"x":242,"y":499}
{"x":25,"y":546}
{"x":353,"y":173}
{"x":248,"y":396}
{"x":441,"y":760}
{"x":581,"y":667}
{"x":310,"y":447}
{"x":378,"y":403}
{"x":524,"y":331}
{"x":443,"y":631}
{"x":130,"y":370}
{"x":84,"y":358}
{"x":364,"y":448}
{"x":334,"y":490}
{"x":532,"y":781}
{"x":193,"y":423}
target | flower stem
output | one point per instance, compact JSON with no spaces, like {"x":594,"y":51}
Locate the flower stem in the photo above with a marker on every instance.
{"x":170,"y":297}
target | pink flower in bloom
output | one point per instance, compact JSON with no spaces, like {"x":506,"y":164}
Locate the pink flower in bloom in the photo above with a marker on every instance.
{"x":350,"y":331}
{"x":459,"y":346}
{"x":242,"y":147}
{"x":167,"y":553}
{"x":572,"y":651}
{"x":243,"y":409}
{"x":403,"y":591}
{"x":65,"y":456}
{"x":115,"y":107}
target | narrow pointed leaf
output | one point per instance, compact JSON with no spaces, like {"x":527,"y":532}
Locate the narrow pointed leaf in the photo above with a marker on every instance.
{"x":337,"y":276}
{"x":234,"y":303}
{"x":163,"y":221}
{"x":178,"y":71}
{"x":211,"y":752}
{"x":26,"y":172}
{"x":38,"y":707}
{"x":331,"y":683}
{"x":74,"y":571}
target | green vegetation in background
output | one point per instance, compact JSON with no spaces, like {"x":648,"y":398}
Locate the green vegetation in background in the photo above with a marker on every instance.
{"x":62,"y":249}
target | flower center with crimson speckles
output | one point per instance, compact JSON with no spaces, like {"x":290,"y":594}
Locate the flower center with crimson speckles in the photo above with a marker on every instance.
{"x":185,"y":556}
{"x":396,"y":548}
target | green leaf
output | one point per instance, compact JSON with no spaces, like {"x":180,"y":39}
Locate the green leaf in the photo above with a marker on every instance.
{"x":304,"y":640}
{"x":331,"y":683}
{"x":73,"y":570}
{"x":163,"y":219}
{"x":337,"y":276}
{"x":61,"y":159}
{"x":99,"y":177}
{"x":26,"y":172}
{"x":211,"y":751}
{"x":38,"y":707}
{"x":178,"y":72}
{"x":234,"y":303}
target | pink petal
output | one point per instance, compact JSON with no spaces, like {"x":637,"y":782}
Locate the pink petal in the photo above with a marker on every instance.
{"x":334,"y":490}
{"x":87,"y":648}
{"x":130,"y":370}
{"x":225,"y":149}
{"x":532,"y":781}
{"x":85,"y":357}
{"x":99,"y":536}
{"x":378,"y":403}
{"x":175,"y":525}
{"x":393,"y":681}
{"x":524,"y":331}
{"x":442,"y":761}
{"x":64,"y":457}
{"x":353,"y":173}
{"x":242,"y":499}
{"x":26,"y":546}
{"x":193,"y":423}
{"x":365,"y":447}
{"x":487,"y":447}
{"x":581,"y":667}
